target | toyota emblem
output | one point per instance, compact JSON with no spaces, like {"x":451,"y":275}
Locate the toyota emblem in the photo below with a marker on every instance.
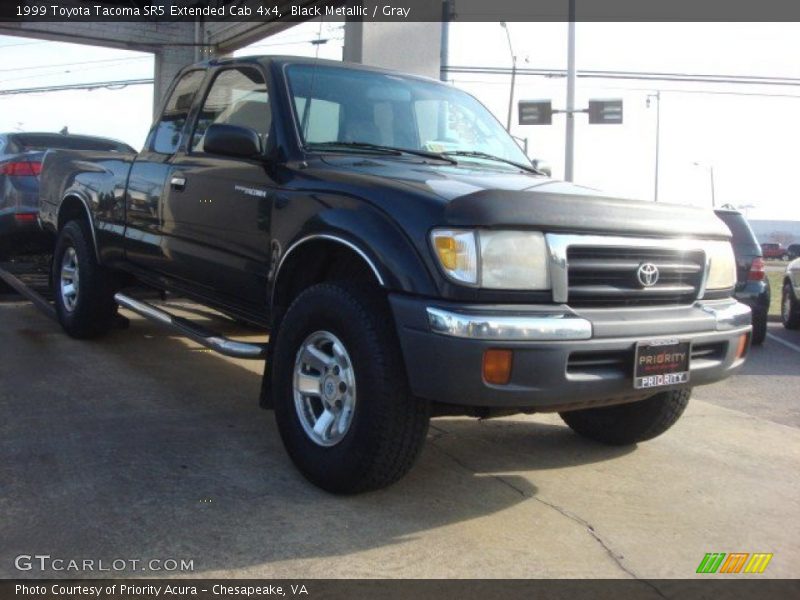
{"x":647,"y":274}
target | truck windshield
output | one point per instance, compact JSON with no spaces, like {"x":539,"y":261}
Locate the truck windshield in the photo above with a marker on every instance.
{"x":351,"y":106}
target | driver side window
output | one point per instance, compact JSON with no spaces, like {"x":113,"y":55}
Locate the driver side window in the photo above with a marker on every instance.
{"x":166,"y":135}
{"x":238,"y":96}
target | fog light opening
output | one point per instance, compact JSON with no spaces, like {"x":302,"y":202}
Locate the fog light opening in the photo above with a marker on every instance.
{"x":497,"y":366}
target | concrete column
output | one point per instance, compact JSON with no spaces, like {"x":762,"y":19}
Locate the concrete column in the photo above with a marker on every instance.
{"x":169,"y":60}
{"x":410,"y":47}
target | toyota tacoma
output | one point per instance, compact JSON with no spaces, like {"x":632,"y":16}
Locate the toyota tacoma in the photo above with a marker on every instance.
{"x":406,"y":257}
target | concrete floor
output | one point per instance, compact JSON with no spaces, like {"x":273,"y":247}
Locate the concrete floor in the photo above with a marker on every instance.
{"x":142,"y":445}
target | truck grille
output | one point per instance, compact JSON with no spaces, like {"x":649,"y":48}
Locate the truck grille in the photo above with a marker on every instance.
{"x":619,"y":363}
{"x":600,"y":276}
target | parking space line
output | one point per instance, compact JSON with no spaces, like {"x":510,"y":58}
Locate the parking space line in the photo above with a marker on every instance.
{"x":775,"y":338}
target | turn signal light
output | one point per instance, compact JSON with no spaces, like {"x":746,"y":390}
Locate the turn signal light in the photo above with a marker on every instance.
{"x":497,"y":366}
{"x":744,"y":340}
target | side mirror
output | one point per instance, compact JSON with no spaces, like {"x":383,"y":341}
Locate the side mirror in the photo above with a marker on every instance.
{"x":542,"y":166}
{"x":231,"y":140}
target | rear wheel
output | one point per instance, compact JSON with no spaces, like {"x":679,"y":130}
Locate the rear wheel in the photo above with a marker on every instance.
{"x":83,"y":289}
{"x":759,"y":327}
{"x":790,"y":308}
{"x":341,"y":397}
{"x":626,"y":424}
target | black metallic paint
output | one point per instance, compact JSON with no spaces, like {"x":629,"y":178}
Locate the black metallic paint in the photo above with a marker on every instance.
{"x":223,"y":246}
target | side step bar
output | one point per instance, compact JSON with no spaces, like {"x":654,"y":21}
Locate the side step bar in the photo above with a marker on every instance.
{"x":194,"y":331}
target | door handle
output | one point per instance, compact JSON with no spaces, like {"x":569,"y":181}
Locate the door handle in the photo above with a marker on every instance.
{"x":177,"y":182}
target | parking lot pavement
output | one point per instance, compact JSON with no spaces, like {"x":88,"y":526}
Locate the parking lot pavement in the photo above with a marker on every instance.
{"x":142,"y":445}
{"x":767,"y":388}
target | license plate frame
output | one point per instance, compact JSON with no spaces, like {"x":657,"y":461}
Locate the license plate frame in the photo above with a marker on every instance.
{"x":661,"y":363}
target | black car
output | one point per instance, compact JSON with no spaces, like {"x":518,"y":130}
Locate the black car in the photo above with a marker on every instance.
{"x":752,"y":286}
{"x":20,"y":164}
{"x":794,"y":251}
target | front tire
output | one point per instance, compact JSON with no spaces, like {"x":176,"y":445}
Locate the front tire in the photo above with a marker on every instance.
{"x":790,"y":308}
{"x":83,"y":289}
{"x":626,"y":424}
{"x":342,"y":403}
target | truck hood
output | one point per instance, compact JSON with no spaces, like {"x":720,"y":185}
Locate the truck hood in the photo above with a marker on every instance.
{"x":484,"y":197}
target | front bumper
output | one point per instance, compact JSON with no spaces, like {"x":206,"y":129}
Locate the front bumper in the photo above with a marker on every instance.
{"x":13,"y":222}
{"x":563,"y":358}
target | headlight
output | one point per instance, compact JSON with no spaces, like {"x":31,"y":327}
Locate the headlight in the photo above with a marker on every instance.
{"x":722,"y":272}
{"x":514,"y":260}
{"x":511,"y":260}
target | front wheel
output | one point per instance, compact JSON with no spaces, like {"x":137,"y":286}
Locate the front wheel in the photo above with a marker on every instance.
{"x":342,"y":403}
{"x":790,"y":308}
{"x":83,"y":289}
{"x":626,"y":424}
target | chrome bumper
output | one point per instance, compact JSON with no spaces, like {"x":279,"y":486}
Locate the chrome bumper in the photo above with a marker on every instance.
{"x":555,"y":326}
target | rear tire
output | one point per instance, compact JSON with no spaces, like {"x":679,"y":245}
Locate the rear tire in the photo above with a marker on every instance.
{"x":376,"y":443}
{"x":83,"y":289}
{"x":759,"y":327}
{"x":790,"y":308}
{"x":4,"y":287}
{"x":626,"y":424}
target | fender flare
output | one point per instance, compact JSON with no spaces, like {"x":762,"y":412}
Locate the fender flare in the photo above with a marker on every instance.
{"x":89,"y":216}
{"x":390,"y":255}
{"x":334,"y":238}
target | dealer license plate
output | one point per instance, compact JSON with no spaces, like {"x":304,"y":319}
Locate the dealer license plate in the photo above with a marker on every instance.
{"x":661,"y":363}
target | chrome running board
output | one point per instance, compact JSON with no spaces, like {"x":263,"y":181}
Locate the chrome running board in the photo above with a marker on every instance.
{"x":193,"y":331}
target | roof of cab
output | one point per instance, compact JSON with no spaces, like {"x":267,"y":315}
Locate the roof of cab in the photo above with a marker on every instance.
{"x":281,"y":60}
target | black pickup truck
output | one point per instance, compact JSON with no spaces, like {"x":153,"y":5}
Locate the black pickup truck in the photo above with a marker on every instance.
{"x":406,"y":257}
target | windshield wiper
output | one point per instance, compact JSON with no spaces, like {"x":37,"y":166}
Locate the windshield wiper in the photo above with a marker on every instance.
{"x":385,"y":149}
{"x":487,"y":156}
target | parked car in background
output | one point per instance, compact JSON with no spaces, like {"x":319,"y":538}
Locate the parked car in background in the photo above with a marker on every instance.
{"x":771,"y":250}
{"x":752,"y":285}
{"x":20,"y":164}
{"x":794,"y":251}
{"x":790,"y":296}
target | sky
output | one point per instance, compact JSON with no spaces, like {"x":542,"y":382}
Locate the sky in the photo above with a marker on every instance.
{"x":747,"y":134}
